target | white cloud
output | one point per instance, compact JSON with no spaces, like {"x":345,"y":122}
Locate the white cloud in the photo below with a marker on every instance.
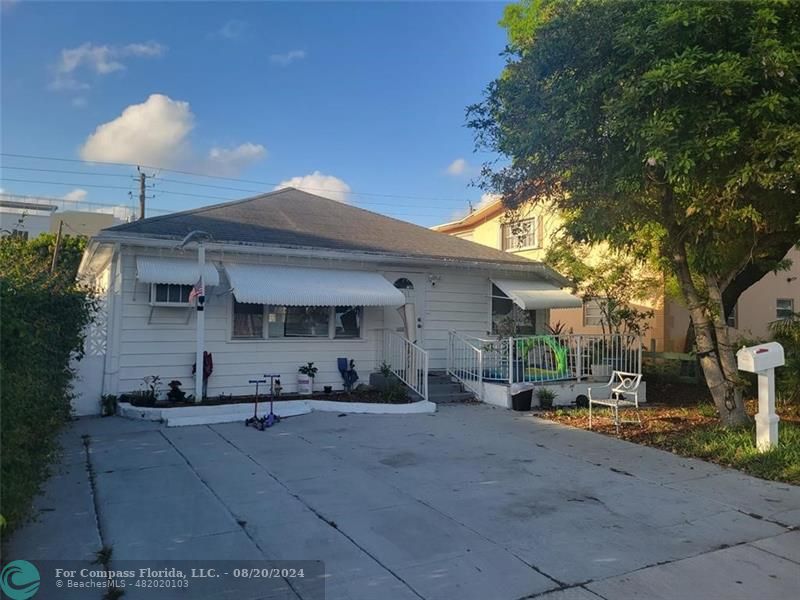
{"x":101,"y":60}
{"x":153,"y":133}
{"x":76,"y":195}
{"x":79,"y":102}
{"x":230,"y":161}
{"x":156,"y":133}
{"x":287,"y":58}
{"x":231,"y":30}
{"x":319,"y":184}
{"x":457,"y":167}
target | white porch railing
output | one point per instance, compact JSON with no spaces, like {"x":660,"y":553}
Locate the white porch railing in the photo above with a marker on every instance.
{"x":541,"y":358}
{"x":465,"y":362}
{"x":406,"y":360}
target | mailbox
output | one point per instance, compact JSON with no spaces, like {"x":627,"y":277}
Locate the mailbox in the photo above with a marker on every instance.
{"x":761,"y":357}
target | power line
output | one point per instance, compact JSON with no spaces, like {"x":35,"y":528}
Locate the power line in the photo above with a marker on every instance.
{"x":93,"y":174}
{"x":91,"y":185}
{"x":221,"y":177}
{"x":399,"y":210}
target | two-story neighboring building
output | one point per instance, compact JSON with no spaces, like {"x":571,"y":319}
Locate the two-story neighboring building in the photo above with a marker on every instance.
{"x":529,"y":232}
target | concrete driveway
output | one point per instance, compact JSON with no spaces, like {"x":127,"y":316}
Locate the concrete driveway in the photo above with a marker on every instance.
{"x":472,"y":502}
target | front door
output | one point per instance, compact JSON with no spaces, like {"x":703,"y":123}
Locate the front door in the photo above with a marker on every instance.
{"x":413,"y":287}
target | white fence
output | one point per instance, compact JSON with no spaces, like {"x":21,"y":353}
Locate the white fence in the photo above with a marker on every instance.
{"x":406,"y":360}
{"x":465,"y":362}
{"x":541,"y":358}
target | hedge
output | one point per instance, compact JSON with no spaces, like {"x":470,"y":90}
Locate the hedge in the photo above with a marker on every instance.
{"x":42,"y":319}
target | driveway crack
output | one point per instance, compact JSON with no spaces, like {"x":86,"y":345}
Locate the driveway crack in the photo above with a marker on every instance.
{"x":319,"y":515}
{"x":221,"y":501}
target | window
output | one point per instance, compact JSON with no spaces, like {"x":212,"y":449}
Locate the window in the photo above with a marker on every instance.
{"x":170,"y":293}
{"x":336,"y":322}
{"x":298,"y":321}
{"x":733,"y":320}
{"x":508,"y":317}
{"x":592,"y":313}
{"x":347,"y":322}
{"x":520,"y":235}
{"x":248,"y":320}
{"x":784,"y":308}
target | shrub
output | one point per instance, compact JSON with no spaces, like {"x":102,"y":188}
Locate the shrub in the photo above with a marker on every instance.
{"x":395,"y":393}
{"x":787,"y":333}
{"x":43,"y":318}
{"x":546,"y":397}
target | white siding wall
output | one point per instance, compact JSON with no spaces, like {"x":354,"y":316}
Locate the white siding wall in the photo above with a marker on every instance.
{"x":454,"y":299}
{"x":459,"y":301}
{"x":166,"y":345}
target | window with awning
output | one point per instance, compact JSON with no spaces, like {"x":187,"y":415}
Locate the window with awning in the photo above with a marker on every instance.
{"x":179,"y":271}
{"x":302,"y":286}
{"x":537,"y":295}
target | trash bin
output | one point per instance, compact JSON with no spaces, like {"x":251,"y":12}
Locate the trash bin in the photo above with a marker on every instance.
{"x":522,"y":400}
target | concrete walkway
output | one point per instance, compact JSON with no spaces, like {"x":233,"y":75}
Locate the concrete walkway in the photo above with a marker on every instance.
{"x":472,"y":502}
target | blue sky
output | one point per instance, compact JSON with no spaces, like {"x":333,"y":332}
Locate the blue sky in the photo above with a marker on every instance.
{"x":371,"y":94}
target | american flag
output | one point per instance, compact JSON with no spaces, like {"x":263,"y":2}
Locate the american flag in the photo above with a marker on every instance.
{"x":197,"y":290}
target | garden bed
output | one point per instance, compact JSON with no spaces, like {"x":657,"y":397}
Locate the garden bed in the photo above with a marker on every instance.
{"x":680,"y":418}
{"x":369,"y":395}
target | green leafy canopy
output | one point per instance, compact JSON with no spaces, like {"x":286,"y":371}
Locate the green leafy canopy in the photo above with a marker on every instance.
{"x":606,"y":107}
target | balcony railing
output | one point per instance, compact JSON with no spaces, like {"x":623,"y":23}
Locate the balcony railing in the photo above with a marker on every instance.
{"x":542,"y":358}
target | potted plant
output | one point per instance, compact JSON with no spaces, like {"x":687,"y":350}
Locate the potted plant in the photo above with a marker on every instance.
{"x":305,"y":378}
{"x":175,"y":393}
{"x":546,"y":396}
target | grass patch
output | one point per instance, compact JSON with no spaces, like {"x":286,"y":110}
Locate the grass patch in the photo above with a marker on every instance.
{"x":691,"y":429}
{"x":736,"y":448}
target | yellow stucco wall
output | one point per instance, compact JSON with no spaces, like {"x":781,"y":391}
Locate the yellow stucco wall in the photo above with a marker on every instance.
{"x":486,"y":230}
{"x":668,"y":327}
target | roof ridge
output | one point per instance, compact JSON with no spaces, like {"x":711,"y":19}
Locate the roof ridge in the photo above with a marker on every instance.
{"x":201,"y":209}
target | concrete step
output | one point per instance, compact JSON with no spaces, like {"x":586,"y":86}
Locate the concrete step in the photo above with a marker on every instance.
{"x":443,"y":385}
{"x":451,"y":397}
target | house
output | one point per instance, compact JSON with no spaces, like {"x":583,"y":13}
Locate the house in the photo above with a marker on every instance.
{"x":529,"y":230}
{"x":291,"y":278}
{"x":30,"y":217}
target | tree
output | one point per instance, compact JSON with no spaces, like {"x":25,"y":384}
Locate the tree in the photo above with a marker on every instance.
{"x":616,"y":282}
{"x":667,"y":129}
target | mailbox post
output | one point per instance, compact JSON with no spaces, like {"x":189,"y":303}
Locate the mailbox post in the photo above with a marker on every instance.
{"x":762,"y":360}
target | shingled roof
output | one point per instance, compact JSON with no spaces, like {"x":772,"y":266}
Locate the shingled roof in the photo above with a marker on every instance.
{"x":293,"y":218}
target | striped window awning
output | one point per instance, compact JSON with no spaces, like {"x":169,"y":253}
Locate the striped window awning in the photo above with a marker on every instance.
{"x":301,"y":286}
{"x":537,"y":295}
{"x":151,"y":269}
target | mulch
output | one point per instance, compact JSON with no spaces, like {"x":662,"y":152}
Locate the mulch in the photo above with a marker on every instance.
{"x":671,"y":410}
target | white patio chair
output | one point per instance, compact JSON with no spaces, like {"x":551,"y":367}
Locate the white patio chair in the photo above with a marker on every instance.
{"x":622,"y":390}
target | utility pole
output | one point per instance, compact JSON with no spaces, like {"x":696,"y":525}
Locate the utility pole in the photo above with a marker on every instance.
{"x":143,"y":177}
{"x":142,"y":190}
{"x":55,"y":250}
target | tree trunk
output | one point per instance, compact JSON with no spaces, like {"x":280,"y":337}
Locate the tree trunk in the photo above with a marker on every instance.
{"x":732,"y":411}
{"x":714,"y":351}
